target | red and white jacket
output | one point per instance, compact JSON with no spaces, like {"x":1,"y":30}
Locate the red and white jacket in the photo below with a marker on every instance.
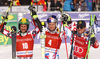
{"x":52,"y":44}
{"x":24,"y":43}
{"x":81,"y":45}
{"x":52,"y":39}
{"x":80,"y":42}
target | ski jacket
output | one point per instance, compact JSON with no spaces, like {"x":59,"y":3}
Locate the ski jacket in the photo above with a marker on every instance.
{"x":52,"y":42}
{"x":80,"y":41}
{"x":52,"y":39}
{"x":81,"y":45}
{"x":24,"y":43}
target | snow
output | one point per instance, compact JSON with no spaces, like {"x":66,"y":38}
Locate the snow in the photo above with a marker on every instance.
{"x":6,"y":52}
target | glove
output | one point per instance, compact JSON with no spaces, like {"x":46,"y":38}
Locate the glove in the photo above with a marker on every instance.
{"x":13,"y":29}
{"x":65,"y":24}
{"x":66,"y":18}
{"x":32,"y":9}
{"x":4,"y":15}
{"x":74,"y":32}
{"x":2,"y":27}
{"x":93,"y":39}
{"x":34,"y":17}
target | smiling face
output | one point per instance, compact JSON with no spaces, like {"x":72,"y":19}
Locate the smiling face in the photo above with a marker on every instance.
{"x":81,"y":29}
{"x":52,"y":26}
{"x":23,"y":28}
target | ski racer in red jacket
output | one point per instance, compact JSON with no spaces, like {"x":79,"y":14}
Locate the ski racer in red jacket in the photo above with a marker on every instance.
{"x":52,"y":40}
{"x":81,"y":41}
{"x":24,"y":38}
{"x":81,"y":38}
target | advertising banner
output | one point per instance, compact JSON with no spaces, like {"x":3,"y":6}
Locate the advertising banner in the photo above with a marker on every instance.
{"x":21,"y":8}
{"x":3,"y":8}
{"x":43,"y":16}
{"x":4,"y":40}
{"x":83,"y":15}
{"x":98,"y":29}
{"x":11,"y":22}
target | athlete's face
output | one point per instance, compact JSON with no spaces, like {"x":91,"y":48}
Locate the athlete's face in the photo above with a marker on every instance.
{"x":52,"y":26}
{"x":81,"y":29}
{"x":23,"y":28}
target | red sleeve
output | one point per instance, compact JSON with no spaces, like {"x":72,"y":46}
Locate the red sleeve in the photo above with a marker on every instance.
{"x":35,"y":31}
{"x":7,"y":33}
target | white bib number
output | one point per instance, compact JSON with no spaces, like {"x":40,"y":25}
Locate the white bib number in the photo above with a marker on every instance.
{"x":50,"y":41}
{"x":25,"y":45}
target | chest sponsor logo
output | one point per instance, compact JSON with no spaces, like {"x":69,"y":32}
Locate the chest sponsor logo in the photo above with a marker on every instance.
{"x":26,"y":39}
{"x":78,"y":49}
{"x":52,"y":37}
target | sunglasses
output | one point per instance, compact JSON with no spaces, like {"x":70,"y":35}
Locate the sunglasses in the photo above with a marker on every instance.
{"x":81,"y":27}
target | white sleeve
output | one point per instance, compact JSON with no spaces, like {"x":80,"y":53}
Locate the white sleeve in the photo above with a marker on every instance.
{"x":68,"y":32}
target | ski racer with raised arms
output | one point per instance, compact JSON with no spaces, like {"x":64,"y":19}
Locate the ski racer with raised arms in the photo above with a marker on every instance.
{"x":81,"y":37}
{"x":53,"y":38}
{"x":82,"y":40}
{"x":25,"y":38}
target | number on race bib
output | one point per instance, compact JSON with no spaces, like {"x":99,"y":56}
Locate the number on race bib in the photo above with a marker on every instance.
{"x":50,"y":41}
{"x":25,"y":45}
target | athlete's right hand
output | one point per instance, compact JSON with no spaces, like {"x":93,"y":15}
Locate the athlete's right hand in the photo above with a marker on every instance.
{"x":4,"y":15}
{"x":32,"y":9}
{"x":66,"y":18}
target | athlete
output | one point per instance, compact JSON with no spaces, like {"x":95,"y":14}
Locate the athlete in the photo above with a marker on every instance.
{"x":81,"y":41}
{"x":52,"y":40}
{"x":81,"y":36}
{"x":24,"y":38}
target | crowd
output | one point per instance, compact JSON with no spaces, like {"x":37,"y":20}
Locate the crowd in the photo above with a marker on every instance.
{"x":55,"y":5}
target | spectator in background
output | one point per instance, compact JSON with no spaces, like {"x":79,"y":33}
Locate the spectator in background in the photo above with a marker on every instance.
{"x":68,"y":5}
{"x":46,"y":3}
{"x":25,"y":2}
{"x":56,"y":5}
{"x":42,"y":2}
{"x":3,"y":2}
{"x":52,"y":0}
{"x":81,"y":5}
{"x":9,"y":2}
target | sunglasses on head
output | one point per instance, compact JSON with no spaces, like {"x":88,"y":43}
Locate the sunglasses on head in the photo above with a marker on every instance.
{"x":81,"y":27}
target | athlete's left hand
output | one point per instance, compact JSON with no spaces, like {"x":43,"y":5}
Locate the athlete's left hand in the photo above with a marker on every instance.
{"x":13,"y":29}
{"x":93,"y":39}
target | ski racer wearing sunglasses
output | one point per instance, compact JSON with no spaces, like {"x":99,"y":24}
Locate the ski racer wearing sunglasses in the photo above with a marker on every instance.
{"x":81,"y":41}
{"x":81,"y":37}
